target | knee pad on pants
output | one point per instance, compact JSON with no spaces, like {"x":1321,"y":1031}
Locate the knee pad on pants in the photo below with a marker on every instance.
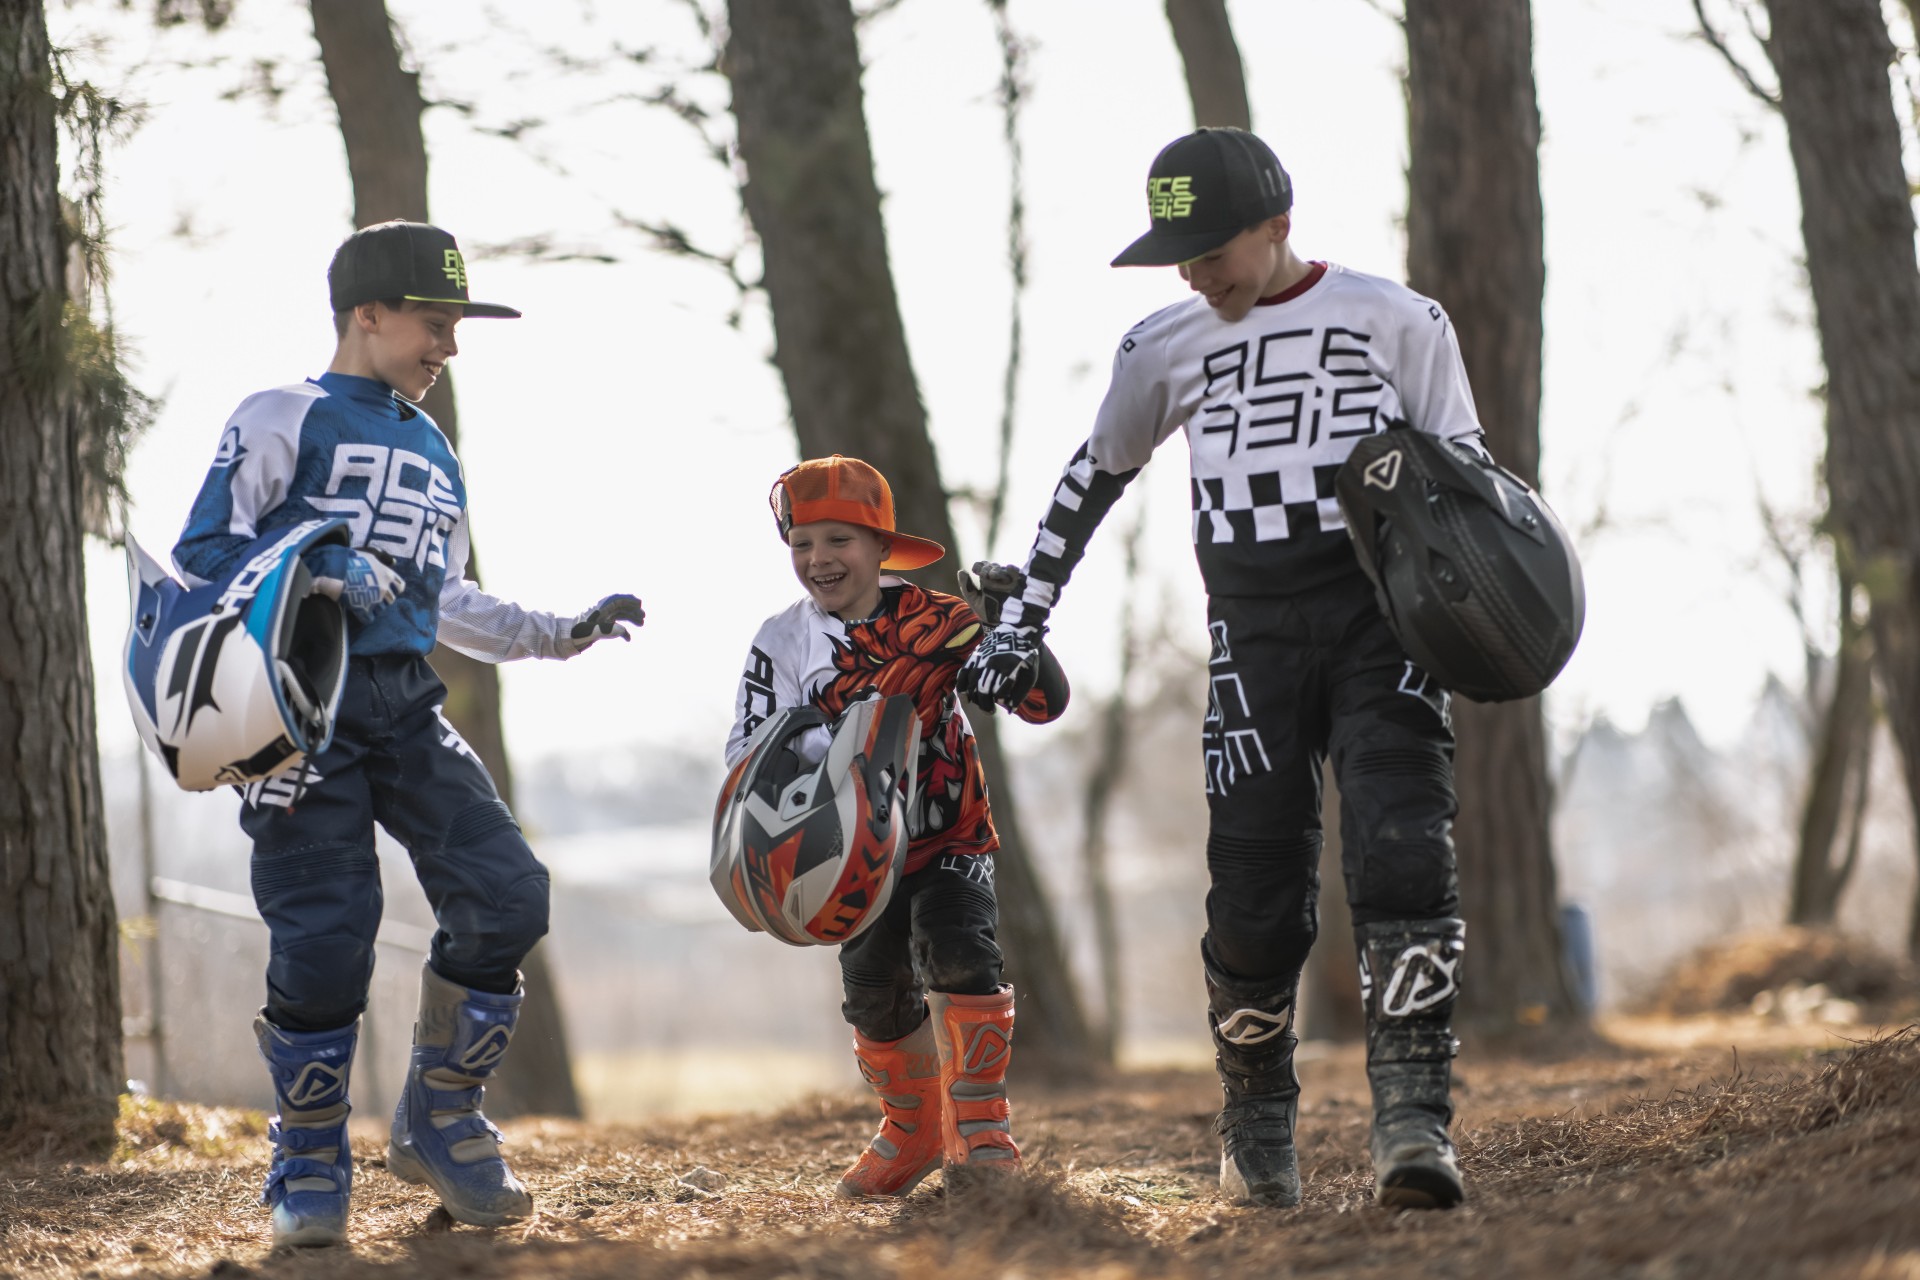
{"x":322,"y":907}
{"x":953,"y":941}
{"x":1404,"y":880}
{"x":1261,"y":907}
{"x":490,"y":898}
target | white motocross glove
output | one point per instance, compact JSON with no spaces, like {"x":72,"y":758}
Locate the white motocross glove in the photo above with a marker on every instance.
{"x":603,"y":620}
{"x":366,"y":583}
{"x":1002,"y":669}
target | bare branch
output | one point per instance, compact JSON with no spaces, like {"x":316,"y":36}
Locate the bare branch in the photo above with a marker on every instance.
{"x":674,"y":241}
{"x":1013,"y":90}
{"x":539,"y":248}
{"x":877,"y":8}
{"x":1715,"y":39}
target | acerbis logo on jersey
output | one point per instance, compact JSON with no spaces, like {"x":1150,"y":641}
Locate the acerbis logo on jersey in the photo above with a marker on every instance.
{"x":230,"y":450}
{"x":406,"y":507}
{"x":1169,"y":197}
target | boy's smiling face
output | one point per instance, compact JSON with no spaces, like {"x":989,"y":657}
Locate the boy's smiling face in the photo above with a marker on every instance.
{"x":839,"y":565}
{"x":408,"y":348}
{"x":1242,"y":271}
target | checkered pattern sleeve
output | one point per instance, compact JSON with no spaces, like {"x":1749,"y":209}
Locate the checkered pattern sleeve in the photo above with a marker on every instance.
{"x":1135,"y":418}
{"x":487,"y":628}
{"x":1081,"y":501}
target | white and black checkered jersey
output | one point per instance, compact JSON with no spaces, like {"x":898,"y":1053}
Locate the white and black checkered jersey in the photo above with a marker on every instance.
{"x":1272,"y":404}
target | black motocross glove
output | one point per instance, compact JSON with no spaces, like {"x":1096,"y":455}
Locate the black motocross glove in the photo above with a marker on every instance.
{"x":603,"y":620}
{"x":1001,"y":669}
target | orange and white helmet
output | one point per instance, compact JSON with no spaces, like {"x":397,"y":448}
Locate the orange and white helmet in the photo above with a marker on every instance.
{"x":810,"y":832}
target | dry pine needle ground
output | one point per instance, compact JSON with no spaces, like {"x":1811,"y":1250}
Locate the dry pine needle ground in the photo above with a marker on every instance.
{"x":1614,"y":1164}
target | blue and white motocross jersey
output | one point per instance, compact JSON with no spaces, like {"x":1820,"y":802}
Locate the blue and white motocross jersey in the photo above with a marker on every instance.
{"x":345,"y":446}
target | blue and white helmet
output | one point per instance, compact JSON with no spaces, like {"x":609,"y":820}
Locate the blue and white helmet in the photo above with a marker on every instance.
{"x":241,"y":678}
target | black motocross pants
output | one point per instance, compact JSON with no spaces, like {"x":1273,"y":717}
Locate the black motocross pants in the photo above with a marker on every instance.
{"x":936,"y":934}
{"x":1290,"y":680}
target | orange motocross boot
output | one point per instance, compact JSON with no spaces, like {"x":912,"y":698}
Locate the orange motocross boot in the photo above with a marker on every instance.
{"x":905,"y":1073}
{"x":975,"y":1034}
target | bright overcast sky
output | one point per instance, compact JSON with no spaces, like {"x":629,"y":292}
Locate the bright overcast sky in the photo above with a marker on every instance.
{"x":623,"y":437}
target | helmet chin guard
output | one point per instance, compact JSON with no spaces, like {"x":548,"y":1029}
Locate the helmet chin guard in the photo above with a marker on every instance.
{"x":810,"y":832}
{"x":1474,"y":573}
{"x":239,"y":679}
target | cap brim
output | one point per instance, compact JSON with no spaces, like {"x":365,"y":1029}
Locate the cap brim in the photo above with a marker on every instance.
{"x":472,"y":310}
{"x":1160,"y":249}
{"x":910,"y":552}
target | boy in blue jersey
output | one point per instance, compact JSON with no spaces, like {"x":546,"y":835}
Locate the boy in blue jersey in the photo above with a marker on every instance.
{"x":353,"y":444}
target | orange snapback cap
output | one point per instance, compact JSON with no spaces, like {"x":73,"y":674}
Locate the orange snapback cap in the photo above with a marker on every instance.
{"x":852,"y":492}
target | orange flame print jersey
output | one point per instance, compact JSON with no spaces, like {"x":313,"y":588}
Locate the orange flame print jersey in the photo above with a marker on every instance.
{"x":914,"y":645}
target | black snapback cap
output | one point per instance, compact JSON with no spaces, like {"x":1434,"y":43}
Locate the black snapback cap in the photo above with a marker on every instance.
{"x":1205,"y":189}
{"x":409,"y":260}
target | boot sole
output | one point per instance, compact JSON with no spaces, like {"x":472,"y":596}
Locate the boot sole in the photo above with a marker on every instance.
{"x":1419,"y":1189}
{"x":309,"y":1238}
{"x":846,"y":1192}
{"x":407,"y":1167}
{"x":1234,"y":1186}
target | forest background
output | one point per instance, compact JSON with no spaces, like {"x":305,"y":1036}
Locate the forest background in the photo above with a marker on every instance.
{"x":623,"y":435}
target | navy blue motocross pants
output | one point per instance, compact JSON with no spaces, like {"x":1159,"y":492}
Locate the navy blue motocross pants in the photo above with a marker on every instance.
{"x":394,"y":760}
{"x":1290,"y":680}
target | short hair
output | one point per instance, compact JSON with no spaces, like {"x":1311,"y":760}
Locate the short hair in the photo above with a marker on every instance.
{"x":342,"y":319}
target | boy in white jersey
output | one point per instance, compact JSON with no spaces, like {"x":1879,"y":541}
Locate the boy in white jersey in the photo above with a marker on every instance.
{"x":933,"y":1022}
{"x":1275,"y":372}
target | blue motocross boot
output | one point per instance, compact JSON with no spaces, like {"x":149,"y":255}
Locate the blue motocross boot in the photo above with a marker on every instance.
{"x":439,"y":1135}
{"x":309,"y":1185}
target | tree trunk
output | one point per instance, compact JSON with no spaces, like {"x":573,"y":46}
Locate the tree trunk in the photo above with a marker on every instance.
{"x":841,"y":350}
{"x":1856,"y":216}
{"x":1216,"y":78}
{"x":379,"y":105}
{"x":1474,"y":245}
{"x":60,"y":1060}
{"x":1842,"y":753}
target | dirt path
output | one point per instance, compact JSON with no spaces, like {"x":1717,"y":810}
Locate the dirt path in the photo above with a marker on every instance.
{"x":1646,"y":1162}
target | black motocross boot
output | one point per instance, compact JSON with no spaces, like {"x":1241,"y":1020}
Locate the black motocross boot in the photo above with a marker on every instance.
{"x":1409,"y":980}
{"x":1253,"y":1041}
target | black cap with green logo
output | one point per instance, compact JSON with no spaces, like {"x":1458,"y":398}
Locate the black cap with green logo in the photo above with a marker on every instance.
{"x":410,"y":260}
{"x":1205,"y":189}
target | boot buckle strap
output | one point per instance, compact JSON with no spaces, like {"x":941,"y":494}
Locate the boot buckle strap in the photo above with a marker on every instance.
{"x":470,"y":1126}
{"x":297,"y":1139}
{"x":441,"y":1101}
{"x":286,"y":1171}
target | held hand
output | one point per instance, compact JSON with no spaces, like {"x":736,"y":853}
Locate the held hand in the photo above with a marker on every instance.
{"x":996,"y":582}
{"x":604,"y":619}
{"x":1002,"y":669}
{"x":366,"y":585}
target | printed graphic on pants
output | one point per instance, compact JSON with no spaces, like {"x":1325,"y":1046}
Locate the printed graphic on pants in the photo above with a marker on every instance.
{"x":1232,"y":745}
{"x":1416,"y":683}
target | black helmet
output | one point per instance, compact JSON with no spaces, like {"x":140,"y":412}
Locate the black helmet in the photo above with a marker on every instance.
{"x":1475,"y":575}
